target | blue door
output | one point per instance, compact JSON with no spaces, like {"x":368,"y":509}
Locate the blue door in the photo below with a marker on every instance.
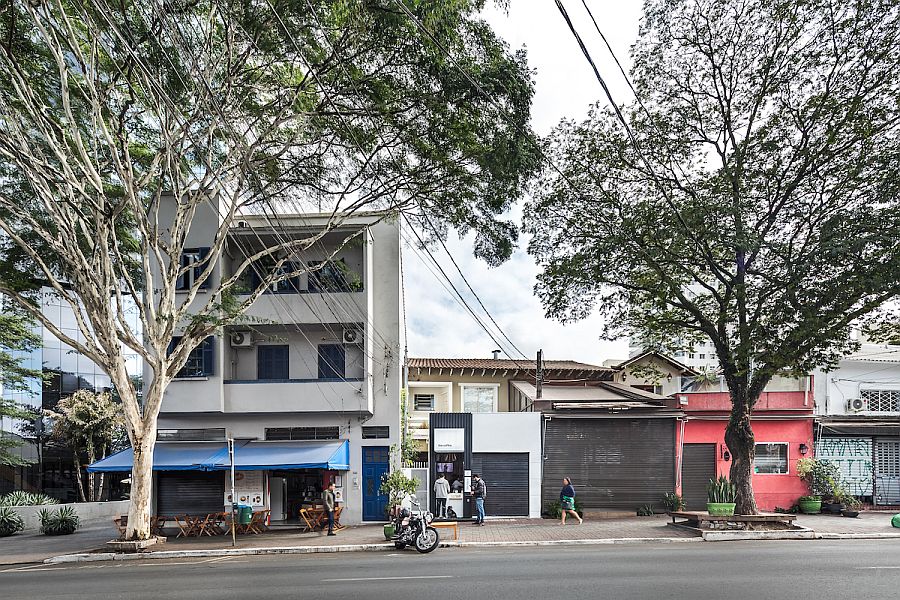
{"x":375,"y":464}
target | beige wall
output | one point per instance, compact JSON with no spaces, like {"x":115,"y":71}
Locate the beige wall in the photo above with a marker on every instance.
{"x":456,"y":380}
{"x":669,"y":386}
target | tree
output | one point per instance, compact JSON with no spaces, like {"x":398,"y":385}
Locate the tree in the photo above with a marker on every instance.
{"x":751,"y":200}
{"x":16,"y":337}
{"x":90,"y":425}
{"x":112,"y":115}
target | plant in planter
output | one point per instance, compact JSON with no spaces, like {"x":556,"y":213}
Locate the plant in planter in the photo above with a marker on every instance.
{"x":673,"y":502}
{"x":822,"y":476}
{"x":396,"y":486}
{"x":23,"y":498}
{"x":852,"y":506}
{"x":62,"y":521}
{"x":10,"y":521}
{"x":720,"y":494}
{"x":554,"y":509}
{"x":810,"y":505}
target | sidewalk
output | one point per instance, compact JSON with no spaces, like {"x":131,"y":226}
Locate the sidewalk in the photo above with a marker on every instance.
{"x":867,"y":524}
{"x":35,"y":547}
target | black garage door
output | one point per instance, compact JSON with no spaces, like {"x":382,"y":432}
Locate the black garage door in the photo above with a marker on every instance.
{"x":506,"y":477}
{"x":613,"y":463}
{"x":192,"y":493}
{"x":698,"y":467}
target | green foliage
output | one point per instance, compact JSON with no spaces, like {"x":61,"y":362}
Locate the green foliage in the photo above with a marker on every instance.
{"x":752,"y":202}
{"x":809,"y":499}
{"x":62,"y":521}
{"x":822,"y":476}
{"x":645,"y":510}
{"x":554,"y":509}
{"x":396,"y":486}
{"x":23,"y":498}
{"x":673,"y":502}
{"x":720,"y":491}
{"x":407,"y":443}
{"x":10,"y":521}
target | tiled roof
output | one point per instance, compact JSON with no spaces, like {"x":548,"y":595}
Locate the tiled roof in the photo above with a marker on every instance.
{"x":500,"y":363}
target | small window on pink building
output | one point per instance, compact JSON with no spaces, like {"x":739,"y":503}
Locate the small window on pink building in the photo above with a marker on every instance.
{"x":771,"y":459}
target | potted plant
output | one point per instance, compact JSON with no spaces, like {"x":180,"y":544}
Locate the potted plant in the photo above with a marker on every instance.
{"x":853,"y":505}
{"x":720,"y":497}
{"x":823,"y":478}
{"x":810,"y":505}
{"x":673,"y":502}
{"x":396,"y":486}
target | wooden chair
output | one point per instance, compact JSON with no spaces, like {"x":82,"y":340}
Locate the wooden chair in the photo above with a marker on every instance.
{"x":309,"y":519}
{"x":187,"y":525}
{"x":337,"y":518}
{"x":257,"y":523}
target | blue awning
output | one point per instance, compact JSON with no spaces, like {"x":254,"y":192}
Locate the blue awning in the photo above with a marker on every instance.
{"x":268,"y":456}
{"x":248,"y":456}
{"x":168,"y":456}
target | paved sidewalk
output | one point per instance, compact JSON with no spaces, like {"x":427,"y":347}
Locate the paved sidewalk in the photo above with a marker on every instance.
{"x":868,"y":523}
{"x":34,"y":547}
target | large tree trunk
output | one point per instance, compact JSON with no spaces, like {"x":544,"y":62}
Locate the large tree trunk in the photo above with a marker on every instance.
{"x":141,"y":489}
{"x":741,"y":444}
{"x":78,"y":478}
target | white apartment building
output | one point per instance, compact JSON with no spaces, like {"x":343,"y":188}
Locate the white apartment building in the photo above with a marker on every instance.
{"x":858,"y":414}
{"x":308,"y":385}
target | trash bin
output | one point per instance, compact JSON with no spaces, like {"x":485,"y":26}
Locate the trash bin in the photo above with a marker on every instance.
{"x":896,"y":521}
{"x":245,"y":514}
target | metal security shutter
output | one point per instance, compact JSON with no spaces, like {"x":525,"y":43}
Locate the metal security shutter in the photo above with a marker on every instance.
{"x":192,"y":493}
{"x":698,"y":467}
{"x":506,"y":477}
{"x":887,"y":471}
{"x":613,"y":463}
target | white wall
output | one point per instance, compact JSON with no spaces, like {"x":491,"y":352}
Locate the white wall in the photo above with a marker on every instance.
{"x":513,"y":432}
{"x":87,"y":512}
{"x":834,"y":389}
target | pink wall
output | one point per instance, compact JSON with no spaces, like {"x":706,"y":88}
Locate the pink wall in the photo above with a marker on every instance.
{"x":771,"y":490}
{"x":721,"y":401}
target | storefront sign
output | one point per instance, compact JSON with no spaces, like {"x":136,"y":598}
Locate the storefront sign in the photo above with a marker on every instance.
{"x":249,"y":488}
{"x":854,"y":457}
{"x":449,"y":440}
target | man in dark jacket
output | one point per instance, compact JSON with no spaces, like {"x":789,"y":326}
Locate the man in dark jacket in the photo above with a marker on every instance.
{"x":329,"y":500}
{"x":479,"y":492}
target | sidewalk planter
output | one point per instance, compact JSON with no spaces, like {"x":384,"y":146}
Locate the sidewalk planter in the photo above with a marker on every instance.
{"x":810,"y":505}
{"x":850,"y":513}
{"x":388,"y":531}
{"x":720,"y":509}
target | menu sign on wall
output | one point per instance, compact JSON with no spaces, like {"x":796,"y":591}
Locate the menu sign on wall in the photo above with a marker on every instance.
{"x":449,"y":440}
{"x":249,"y":488}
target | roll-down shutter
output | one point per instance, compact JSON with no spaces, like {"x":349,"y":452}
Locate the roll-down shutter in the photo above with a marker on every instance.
{"x":698,"y":467}
{"x":613,"y":463}
{"x":192,"y":493}
{"x":506,"y":477}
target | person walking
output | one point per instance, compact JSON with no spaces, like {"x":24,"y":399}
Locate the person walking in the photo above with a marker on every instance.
{"x":329,"y":500}
{"x":479,"y":492}
{"x":441,"y":491}
{"x":567,"y":501}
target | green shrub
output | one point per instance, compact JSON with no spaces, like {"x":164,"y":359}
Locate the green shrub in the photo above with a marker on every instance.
{"x":61,"y":521}
{"x":554,"y":509}
{"x":645,"y":511}
{"x":720,"y":491}
{"x":673,"y":502}
{"x":23,"y":498}
{"x":822,"y":476}
{"x":10,"y":521}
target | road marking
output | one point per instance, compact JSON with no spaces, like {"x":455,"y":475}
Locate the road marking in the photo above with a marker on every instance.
{"x":193,"y":562}
{"x":22,"y":569}
{"x":389,"y":578}
{"x":860,"y":568}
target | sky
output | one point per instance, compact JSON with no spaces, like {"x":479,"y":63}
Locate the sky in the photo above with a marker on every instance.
{"x":565,"y":87}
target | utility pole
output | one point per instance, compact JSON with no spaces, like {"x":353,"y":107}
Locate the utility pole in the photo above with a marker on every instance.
{"x":233,"y":497}
{"x":539,"y":375}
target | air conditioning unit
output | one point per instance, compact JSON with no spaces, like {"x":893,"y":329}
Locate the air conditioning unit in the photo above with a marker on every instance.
{"x":241,"y":339}
{"x":352,"y":335}
{"x":857,"y":405}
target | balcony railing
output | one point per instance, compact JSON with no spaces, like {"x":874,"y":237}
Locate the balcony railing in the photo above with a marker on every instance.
{"x":296,"y":395}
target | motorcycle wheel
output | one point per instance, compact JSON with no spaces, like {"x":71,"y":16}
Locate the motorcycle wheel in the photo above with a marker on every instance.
{"x":399,"y":545}
{"x":427,"y":541}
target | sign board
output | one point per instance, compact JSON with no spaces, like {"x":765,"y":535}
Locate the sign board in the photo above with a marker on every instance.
{"x":854,"y":458}
{"x":449,"y":440}
{"x":249,"y":487}
{"x":338,"y":494}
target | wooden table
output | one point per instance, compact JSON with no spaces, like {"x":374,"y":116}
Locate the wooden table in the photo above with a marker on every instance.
{"x":454,"y":525}
{"x":697,"y":518}
{"x":312,"y":518}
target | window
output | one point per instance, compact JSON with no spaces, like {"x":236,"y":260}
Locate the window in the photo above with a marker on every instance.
{"x":881,"y":400}
{"x":423,"y":402}
{"x":332,"y":276}
{"x":201,"y":360}
{"x":376,"y":432}
{"x":191,"y":435}
{"x":702,"y":356}
{"x":264,"y":268}
{"x":771,"y":459}
{"x":272,"y":362}
{"x":197,"y":257}
{"x":303,"y":433}
{"x":331,"y":361}
{"x":479,"y":398}
{"x":691,"y":355}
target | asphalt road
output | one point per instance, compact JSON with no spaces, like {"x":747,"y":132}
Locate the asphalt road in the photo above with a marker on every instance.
{"x":716,"y":571}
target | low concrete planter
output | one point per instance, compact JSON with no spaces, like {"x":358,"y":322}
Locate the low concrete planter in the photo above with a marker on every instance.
{"x":134,"y":545}
{"x":87,"y":512}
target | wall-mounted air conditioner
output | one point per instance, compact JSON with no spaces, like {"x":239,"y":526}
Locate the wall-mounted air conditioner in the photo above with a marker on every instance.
{"x":857,"y":405}
{"x":241,"y":339}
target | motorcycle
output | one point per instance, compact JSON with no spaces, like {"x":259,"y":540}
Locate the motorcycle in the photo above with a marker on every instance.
{"x":413,"y":528}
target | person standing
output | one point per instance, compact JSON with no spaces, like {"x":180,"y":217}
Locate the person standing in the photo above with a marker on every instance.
{"x":479,"y":492}
{"x":329,"y":500}
{"x":567,"y":501}
{"x":441,"y":491}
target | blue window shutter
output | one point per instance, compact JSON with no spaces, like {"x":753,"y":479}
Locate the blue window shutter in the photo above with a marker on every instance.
{"x":203,"y":252}
{"x":209,"y":356}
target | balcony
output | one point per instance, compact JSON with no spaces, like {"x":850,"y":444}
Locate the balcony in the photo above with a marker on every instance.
{"x":297,"y":395}
{"x":768,"y":401}
{"x":307,"y":307}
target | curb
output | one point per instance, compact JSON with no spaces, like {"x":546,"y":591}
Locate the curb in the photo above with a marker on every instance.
{"x":743,"y":535}
{"x":212,"y":553}
{"x":858,"y":536}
